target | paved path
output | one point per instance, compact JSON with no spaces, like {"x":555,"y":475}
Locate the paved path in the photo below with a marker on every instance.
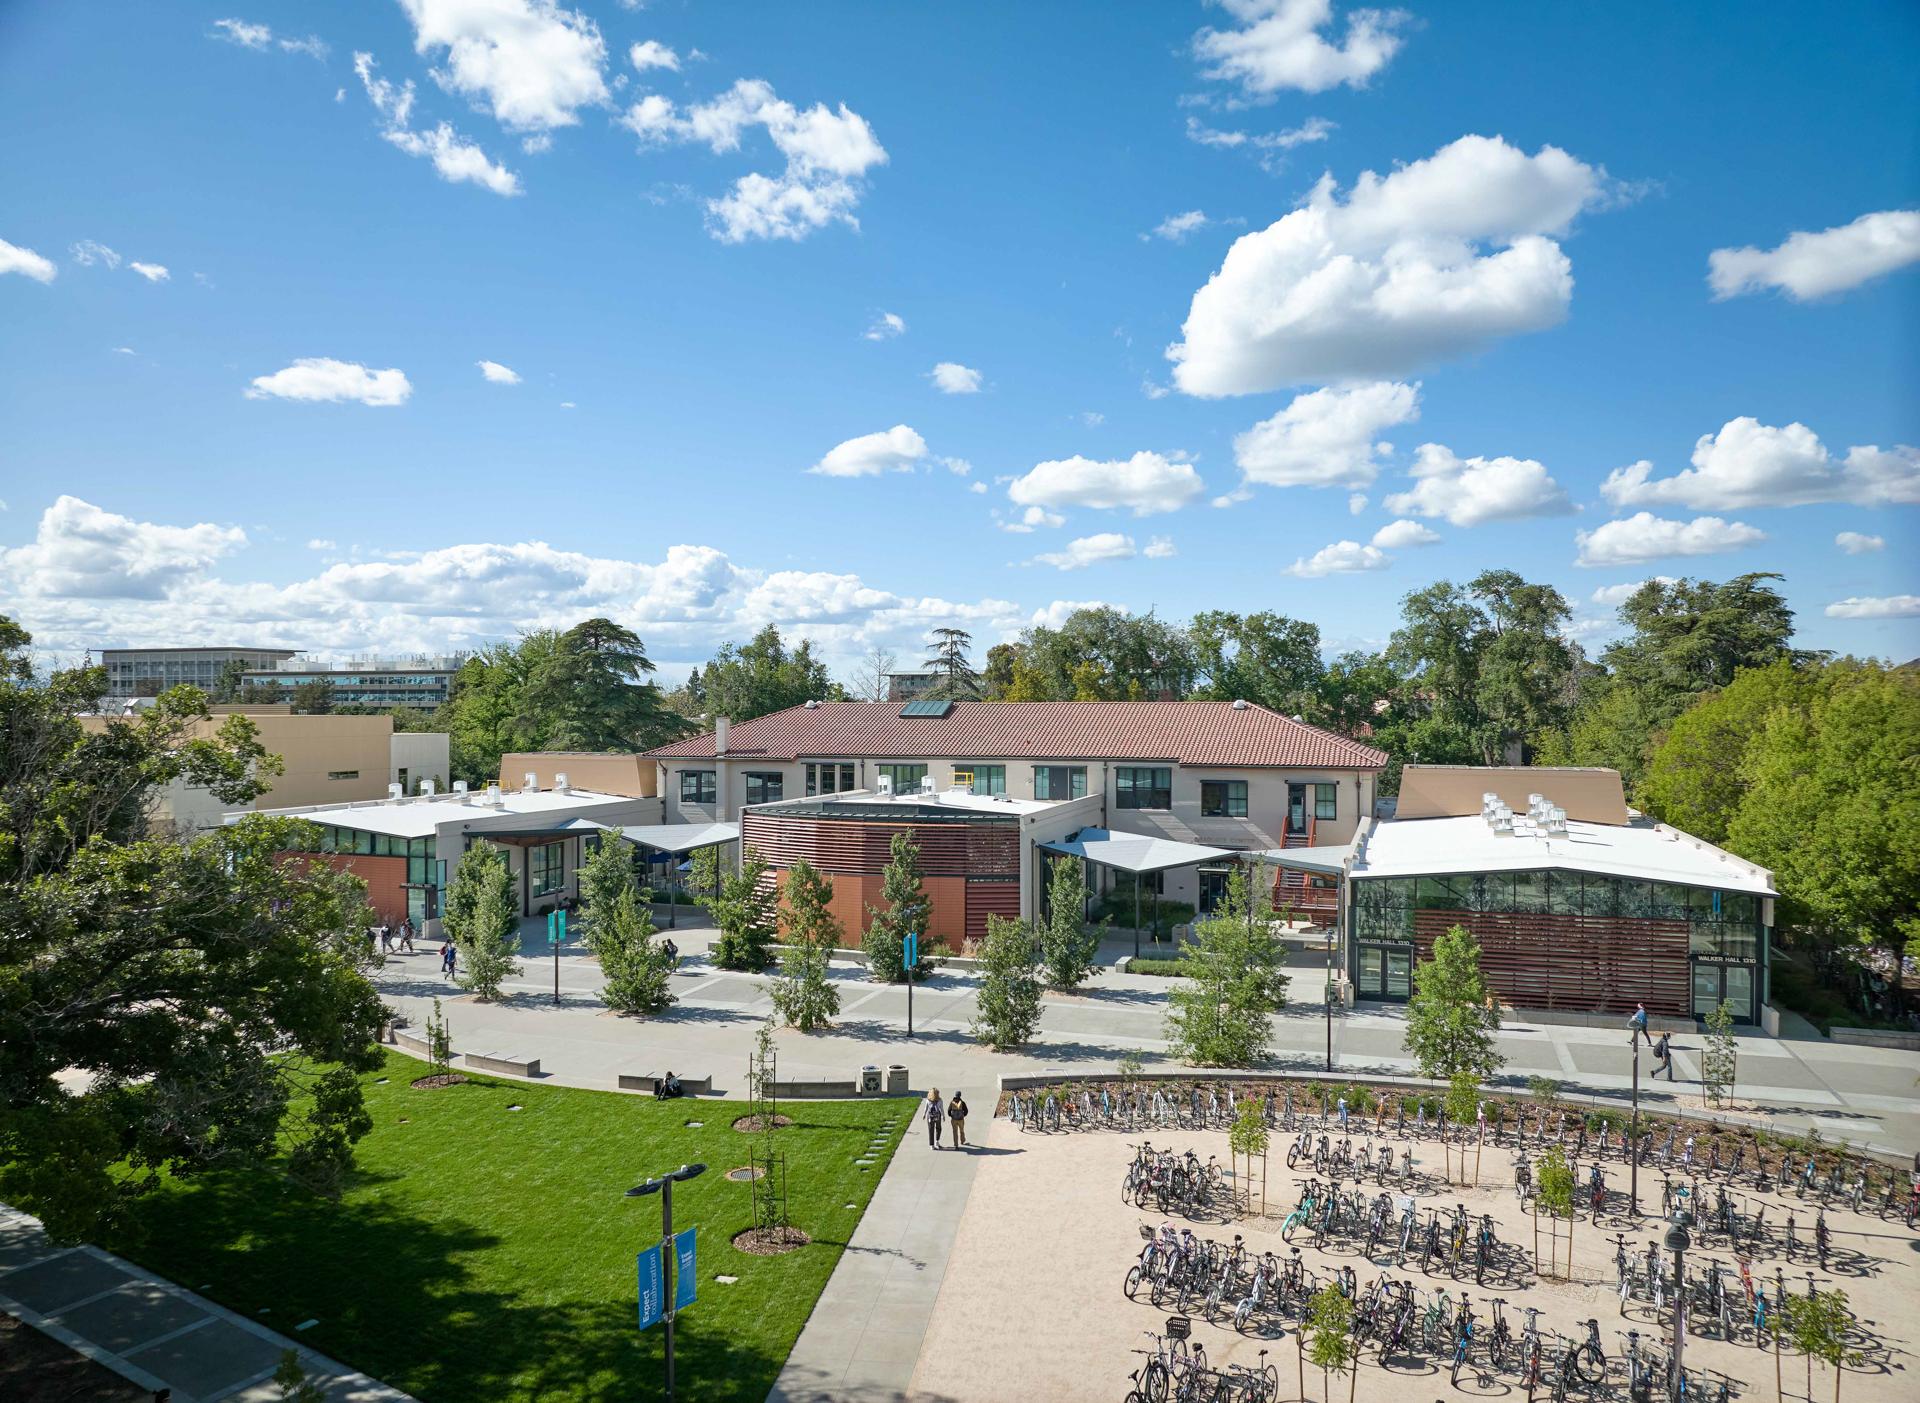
{"x":864,"y":1336}
{"x":1865,"y":1094}
{"x":151,"y":1331}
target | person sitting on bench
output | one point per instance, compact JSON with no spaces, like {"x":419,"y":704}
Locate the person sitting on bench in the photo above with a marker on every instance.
{"x":667,"y":1088}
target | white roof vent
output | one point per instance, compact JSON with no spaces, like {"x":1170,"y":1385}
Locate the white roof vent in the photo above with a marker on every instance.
{"x":395,"y":790}
{"x":494,"y":796}
{"x":927,"y":786}
{"x":883,"y":785}
{"x":1301,"y":719}
{"x":460,"y":790}
{"x":560,"y":781}
{"x":429,"y":788}
{"x":530,"y":782}
{"x":811,"y":705}
{"x":1239,"y":703}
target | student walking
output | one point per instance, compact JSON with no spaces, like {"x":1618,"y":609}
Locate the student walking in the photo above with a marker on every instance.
{"x":406,"y":935}
{"x":446,"y":959}
{"x":957,"y":1113}
{"x":1639,"y":1024}
{"x":1663,"y":1052}
{"x":935,"y":1114}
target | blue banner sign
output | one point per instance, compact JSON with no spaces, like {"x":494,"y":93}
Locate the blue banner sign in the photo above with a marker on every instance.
{"x":650,"y":1287}
{"x":686,"y":1276}
{"x":911,"y":954}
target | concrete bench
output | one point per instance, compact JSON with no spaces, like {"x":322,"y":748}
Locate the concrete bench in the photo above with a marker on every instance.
{"x":508,"y":1064}
{"x":413,"y":1043}
{"x":691,"y":1086}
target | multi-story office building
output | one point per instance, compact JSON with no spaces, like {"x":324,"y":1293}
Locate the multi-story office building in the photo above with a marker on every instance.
{"x":422,"y":681}
{"x":147,"y":672}
{"x":911,"y":686}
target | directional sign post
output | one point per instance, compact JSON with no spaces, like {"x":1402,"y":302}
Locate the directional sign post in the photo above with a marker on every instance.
{"x":669,"y":1281}
{"x":910,"y":952}
{"x":556,"y":937}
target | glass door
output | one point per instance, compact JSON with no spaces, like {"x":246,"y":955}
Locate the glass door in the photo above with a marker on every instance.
{"x":1399,"y":974}
{"x":1370,"y":981}
{"x":1296,"y":808}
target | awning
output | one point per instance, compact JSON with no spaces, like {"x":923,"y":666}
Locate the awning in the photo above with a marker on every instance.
{"x":1329,"y":858}
{"x":676,"y":837}
{"x":1135,"y":852}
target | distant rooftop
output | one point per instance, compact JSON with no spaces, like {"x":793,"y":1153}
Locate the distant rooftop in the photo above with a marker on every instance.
{"x":418,"y":662}
{"x":418,"y":816}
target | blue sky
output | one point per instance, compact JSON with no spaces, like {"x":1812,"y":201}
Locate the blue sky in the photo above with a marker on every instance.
{"x":278,"y":429}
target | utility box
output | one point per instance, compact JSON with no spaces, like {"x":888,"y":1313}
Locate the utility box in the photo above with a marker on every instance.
{"x":896,"y":1079}
{"x":868,"y":1083}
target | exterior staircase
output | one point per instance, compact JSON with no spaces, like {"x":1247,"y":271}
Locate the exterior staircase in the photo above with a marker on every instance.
{"x":1293,"y":889}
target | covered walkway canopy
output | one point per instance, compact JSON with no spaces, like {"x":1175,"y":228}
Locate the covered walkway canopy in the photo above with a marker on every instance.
{"x":1138,"y":853}
{"x":673,"y":839}
{"x":1329,"y":859}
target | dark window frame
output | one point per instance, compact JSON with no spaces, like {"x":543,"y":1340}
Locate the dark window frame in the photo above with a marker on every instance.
{"x":1326,"y":801}
{"x":1076,"y":776}
{"x":764,"y":778}
{"x":705,"y":787}
{"x":1154,"y":793}
{"x":546,"y":868}
{"x":1219,"y":799}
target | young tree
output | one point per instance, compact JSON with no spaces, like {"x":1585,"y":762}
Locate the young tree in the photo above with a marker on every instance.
{"x":1217,"y":1014}
{"x":1553,"y":1195}
{"x":1720,"y":1057}
{"x":636,"y":965}
{"x":703,"y":874}
{"x":1009,"y":998}
{"x":1068,"y":947}
{"x":803,"y":995}
{"x":205,"y":985}
{"x":1818,"y":1326}
{"x":606,"y":872}
{"x":903,"y":912}
{"x":483,"y":920}
{"x":1329,"y":1331}
{"x":292,"y":1381}
{"x":439,"y":1042}
{"x":746,"y":911}
{"x":1452,"y":1019}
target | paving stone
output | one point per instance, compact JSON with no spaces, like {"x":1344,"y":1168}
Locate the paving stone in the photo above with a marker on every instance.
{"x":51,"y":1285}
{"x":137,"y":1314}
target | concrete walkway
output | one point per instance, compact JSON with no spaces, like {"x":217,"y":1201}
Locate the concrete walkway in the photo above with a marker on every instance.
{"x":152,"y":1332}
{"x":863,"y":1338}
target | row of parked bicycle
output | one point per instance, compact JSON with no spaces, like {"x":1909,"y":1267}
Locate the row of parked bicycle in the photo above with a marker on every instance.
{"x":1731,"y":1304}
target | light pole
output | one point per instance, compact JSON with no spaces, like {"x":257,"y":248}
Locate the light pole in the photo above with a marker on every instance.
{"x":664,"y":1187}
{"x":1633,"y":1147}
{"x":1678,"y":1241}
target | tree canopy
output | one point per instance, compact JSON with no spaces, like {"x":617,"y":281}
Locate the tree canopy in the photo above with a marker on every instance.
{"x":755,"y":678}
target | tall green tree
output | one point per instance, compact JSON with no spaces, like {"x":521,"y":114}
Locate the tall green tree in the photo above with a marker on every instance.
{"x":1698,"y":775}
{"x":746,"y":912}
{"x":1234,"y":978}
{"x":488,"y":713}
{"x":947,"y":656}
{"x":591,"y":692}
{"x":605,"y":873}
{"x":206,"y":987}
{"x":763,"y":675}
{"x":1265,"y":658}
{"x":1694,"y":636}
{"x":997,"y":677}
{"x":903,"y":911}
{"x":804,"y":995}
{"x":1452,"y":1020}
{"x":635,"y":964}
{"x":1068,"y":946}
{"x":1007,"y":1008}
{"x":482,"y":918}
{"x":1104,"y":654}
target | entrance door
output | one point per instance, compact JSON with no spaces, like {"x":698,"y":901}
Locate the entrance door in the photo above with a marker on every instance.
{"x":1296,"y":808}
{"x":1734,"y":983}
{"x":1399,"y":974}
{"x":1370,"y":980}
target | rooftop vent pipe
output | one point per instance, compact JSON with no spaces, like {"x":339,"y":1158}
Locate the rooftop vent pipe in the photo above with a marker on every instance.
{"x":1239,"y":703}
{"x":395,"y":790}
{"x":460,"y":790}
{"x":429,"y":787}
{"x":560,"y":785}
{"x":529,"y":782}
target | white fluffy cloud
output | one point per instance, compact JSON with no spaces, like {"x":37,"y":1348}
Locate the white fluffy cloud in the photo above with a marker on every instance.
{"x":241,"y":32}
{"x":1083,"y":551}
{"x":1029,"y":521}
{"x":27,"y":263}
{"x":885,"y":327}
{"x":895,"y":450}
{"x":1175,"y":227}
{"x":1644,"y":536}
{"x":1060,"y":610}
{"x":1807,"y":266}
{"x":1893,"y":606}
{"x":89,"y":252}
{"x":1270,"y":147}
{"x":1436,"y":259}
{"x":152,"y":272}
{"x":533,"y":64}
{"x":1161,"y":548}
{"x":653,"y":54}
{"x":320,"y":378}
{"x":1396,"y":535}
{"x":952,"y":378}
{"x":1326,"y":438}
{"x":1750,"y":464}
{"x":828,"y":154}
{"x":1468,"y":491}
{"x":1143,"y":484}
{"x":497,"y":373}
{"x":1279,"y":46}
{"x":1616,"y":595}
{"x":82,"y":552}
{"x":453,"y":156}
{"x":1340,"y":558}
{"x":1857,"y":543}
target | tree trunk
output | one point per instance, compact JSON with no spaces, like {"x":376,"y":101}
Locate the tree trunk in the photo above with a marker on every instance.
{"x":1353,"y":1378}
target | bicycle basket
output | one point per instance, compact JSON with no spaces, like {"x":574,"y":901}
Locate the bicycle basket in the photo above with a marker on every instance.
{"x":1146,"y":1232}
{"x":1179,"y":1327}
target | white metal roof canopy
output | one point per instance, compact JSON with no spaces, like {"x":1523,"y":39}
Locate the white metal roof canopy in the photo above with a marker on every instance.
{"x":676,"y":838}
{"x":1140,"y":853}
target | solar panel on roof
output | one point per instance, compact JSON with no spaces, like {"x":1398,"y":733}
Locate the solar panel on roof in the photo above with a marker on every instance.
{"x":927,"y":707}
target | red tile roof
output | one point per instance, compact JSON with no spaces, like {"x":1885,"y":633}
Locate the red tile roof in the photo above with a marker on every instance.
{"x":1189,"y":733}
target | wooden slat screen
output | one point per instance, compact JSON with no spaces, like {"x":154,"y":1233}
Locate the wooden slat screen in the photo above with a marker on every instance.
{"x":1594,"y":964}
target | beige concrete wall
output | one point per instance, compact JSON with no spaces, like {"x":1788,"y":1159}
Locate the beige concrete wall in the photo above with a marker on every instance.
{"x":1442,"y":791}
{"x":627,"y":775}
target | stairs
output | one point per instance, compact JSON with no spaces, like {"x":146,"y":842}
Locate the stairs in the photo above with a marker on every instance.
{"x":1290,"y":886}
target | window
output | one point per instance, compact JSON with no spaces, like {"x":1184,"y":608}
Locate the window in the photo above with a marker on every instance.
{"x":826,"y":777}
{"x":765,"y":786}
{"x":906,"y":778}
{"x":1060,"y":782}
{"x":1326,"y":801}
{"x":548,"y":867}
{"x":698,"y":787}
{"x":343,"y":774}
{"x":1142,"y":787}
{"x":1223,"y":798}
{"x":987,"y":779}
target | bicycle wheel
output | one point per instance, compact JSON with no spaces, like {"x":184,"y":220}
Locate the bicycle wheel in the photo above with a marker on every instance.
{"x":1589,"y":1363}
{"x":1270,"y":1383}
{"x":1154,"y":1382}
{"x":1242,"y":1316}
{"x":1132,"y":1286}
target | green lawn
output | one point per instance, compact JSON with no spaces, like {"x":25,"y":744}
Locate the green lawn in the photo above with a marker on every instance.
{"x":488,"y":1254}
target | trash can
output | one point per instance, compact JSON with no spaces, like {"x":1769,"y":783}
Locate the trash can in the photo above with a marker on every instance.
{"x":869,"y":1081}
{"x":896,"y":1079}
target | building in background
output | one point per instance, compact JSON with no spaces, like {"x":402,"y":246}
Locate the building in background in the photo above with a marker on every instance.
{"x":147,"y":672}
{"x":423,"y":681}
{"x":1580,"y":904}
{"x":405,"y":849}
{"x":603,"y":772}
{"x":911,"y":686}
{"x":327,"y":759}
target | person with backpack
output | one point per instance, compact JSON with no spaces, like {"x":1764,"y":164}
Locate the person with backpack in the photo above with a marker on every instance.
{"x":957,"y":1113}
{"x":936,"y":1112}
{"x":1663,"y":1054}
{"x":1638,"y":1022}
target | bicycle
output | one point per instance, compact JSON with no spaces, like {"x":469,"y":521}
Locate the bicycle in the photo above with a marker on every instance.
{"x":1462,"y":1339}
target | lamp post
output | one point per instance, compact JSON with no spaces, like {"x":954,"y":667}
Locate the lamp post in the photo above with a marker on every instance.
{"x":664,"y":1187}
{"x":1633,"y":1147}
{"x":1677,"y":1242}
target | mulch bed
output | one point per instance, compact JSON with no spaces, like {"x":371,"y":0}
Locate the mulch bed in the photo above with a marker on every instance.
{"x":434,"y":1083}
{"x":770,"y":1242}
{"x":36,"y":1368}
{"x":746,"y":1173}
{"x":750,"y":1125}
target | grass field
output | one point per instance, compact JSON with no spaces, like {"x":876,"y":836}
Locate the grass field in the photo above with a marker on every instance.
{"x":481,"y":1253}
